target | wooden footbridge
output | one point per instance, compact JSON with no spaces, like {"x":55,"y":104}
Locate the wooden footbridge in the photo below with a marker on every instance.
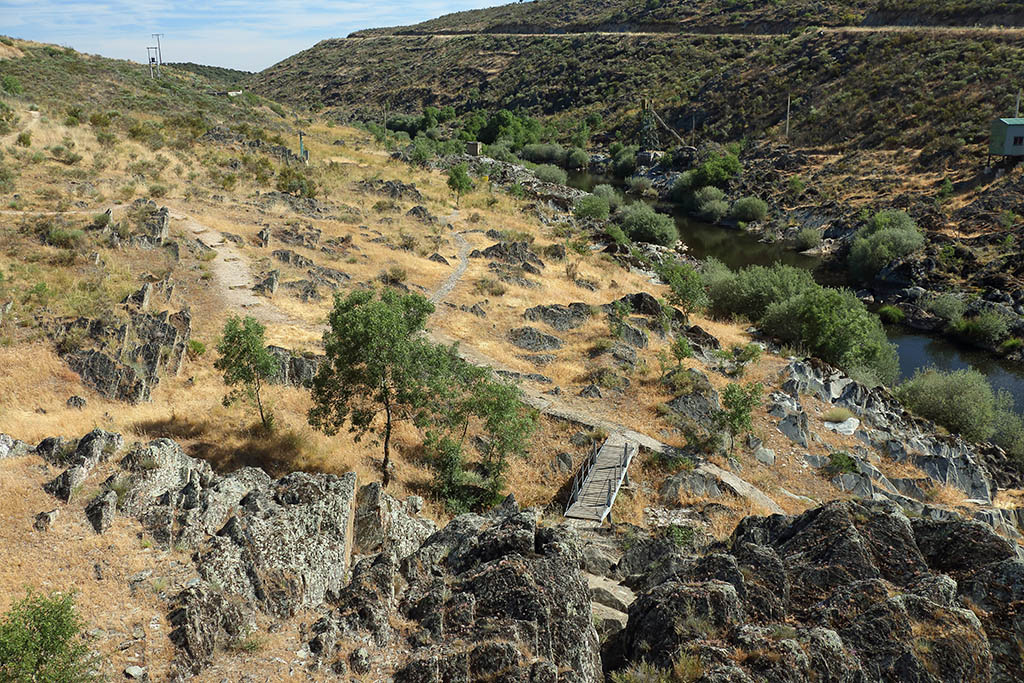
{"x":597,"y":482}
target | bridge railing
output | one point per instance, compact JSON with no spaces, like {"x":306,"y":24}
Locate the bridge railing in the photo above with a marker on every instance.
{"x":580,"y":477}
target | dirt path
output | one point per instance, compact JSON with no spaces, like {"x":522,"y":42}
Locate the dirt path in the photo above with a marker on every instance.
{"x":233,"y":275}
{"x":449,"y":284}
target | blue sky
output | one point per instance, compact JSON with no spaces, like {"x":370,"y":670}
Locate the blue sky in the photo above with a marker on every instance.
{"x":242,"y":34}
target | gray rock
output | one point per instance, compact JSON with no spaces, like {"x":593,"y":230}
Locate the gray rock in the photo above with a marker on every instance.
{"x":383,"y":523}
{"x":100,"y":511}
{"x":13,"y":448}
{"x":695,"y":484}
{"x":590,"y":391}
{"x":699,"y":405}
{"x":561,"y":318}
{"x":95,"y":447}
{"x":44,"y":520}
{"x":564,"y":461}
{"x":136,"y":672}
{"x":765,"y":456}
{"x":269,"y":284}
{"x":633,"y":336}
{"x":794,"y":426}
{"x":608,"y":621}
{"x":437,"y":258}
{"x":76,"y":402}
{"x":531,"y":339}
{"x":847,"y":427}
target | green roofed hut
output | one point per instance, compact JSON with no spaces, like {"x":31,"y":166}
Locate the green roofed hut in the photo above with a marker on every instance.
{"x":1007,"y":138}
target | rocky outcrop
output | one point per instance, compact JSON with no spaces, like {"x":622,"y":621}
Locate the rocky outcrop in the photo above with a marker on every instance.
{"x":561,"y":318}
{"x":95,"y":447}
{"x":383,"y":523}
{"x":531,"y":339}
{"x":844,"y":592}
{"x":294,"y":369}
{"x":395,"y":189}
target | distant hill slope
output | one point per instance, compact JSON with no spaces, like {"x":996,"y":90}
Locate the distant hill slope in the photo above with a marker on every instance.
{"x":215,"y":74}
{"x":862,"y":88}
{"x":713,"y":16}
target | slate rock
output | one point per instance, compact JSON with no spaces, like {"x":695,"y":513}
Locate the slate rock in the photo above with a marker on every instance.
{"x":76,"y":402}
{"x":561,"y":318}
{"x":531,"y":339}
{"x":100,"y":511}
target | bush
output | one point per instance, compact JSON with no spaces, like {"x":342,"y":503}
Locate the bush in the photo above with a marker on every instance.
{"x":749,"y":209}
{"x":988,"y":328}
{"x":715,"y":210}
{"x":592,"y":207}
{"x":835,"y":326}
{"x":961,"y":401}
{"x":41,"y":640}
{"x":891,"y":315}
{"x":65,"y":238}
{"x":837,"y":414}
{"x":949,"y":307}
{"x":577,"y":158}
{"x":24,"y":139}
{"x":683,"y":185}
{"x":889,"y":235}
{"x":639,"y":184}
{"x":544,"y":154}
{"x":10,"y":85}
{"x":609,"y":194}
{"x":707,"y":194}
{"x":641,"y":223}
{"x":808,"y":238}
{"x":717,"y":170}
{"x":293,"y":181}
{"x":750,"y":291}
{"x":551,"y":174}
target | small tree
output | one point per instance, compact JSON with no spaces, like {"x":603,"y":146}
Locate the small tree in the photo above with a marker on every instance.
{"x":738,"y":403}
{"x":687,"y":288}
{"x":41,"y":640}
{"x":681,"y":350}
{"x":376,"y":363}
{"x":246,"y":363}
{"x":459,"y":181}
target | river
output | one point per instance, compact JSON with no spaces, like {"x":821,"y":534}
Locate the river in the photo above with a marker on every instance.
{"x":917,"y":350}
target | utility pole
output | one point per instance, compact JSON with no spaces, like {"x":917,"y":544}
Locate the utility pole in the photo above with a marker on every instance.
{"x":1016,"y":111}
{"x":789,"y":102}
{"x":154,"y":65}
{"x":159,"y":53}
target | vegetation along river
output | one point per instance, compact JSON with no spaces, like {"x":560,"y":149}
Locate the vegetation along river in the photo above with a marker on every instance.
{"x":916,"y":349}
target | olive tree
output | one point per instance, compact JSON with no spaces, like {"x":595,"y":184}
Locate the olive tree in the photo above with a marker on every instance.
{"x":246,"y":363}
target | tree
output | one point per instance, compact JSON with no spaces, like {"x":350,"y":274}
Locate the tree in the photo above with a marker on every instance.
{"x":738,"y":403}
{"x":459,"y":181}
{"x":681,"y":350}
{"x":245,"y":362}
{"x":376,"y":363}
{"x":687,"y":287}
{"x":41,"y":640}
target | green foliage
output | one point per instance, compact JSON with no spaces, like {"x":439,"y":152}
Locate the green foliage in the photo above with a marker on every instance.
{"x":681,"y":350}
{"x":291,"y":180}
{"x":705,"y":195}
{"x":10,"y":85}
{"x":642,"y":224}
{"x":949,"y":307}
{"x":717,"y":170}
{"x":246,"y":363}
{"x":748,"y":209}
{"x":738,"y":403}
{"x":577,"y":159}
{"x":65,"y":238}
{"x":715,"y":210}
{"x":686,"y":285}
{"x":196,"y":348}
{"x":609,"y":194}
{"x":376,"y":362}
{"x":891,"y":314}
{"x":987,"y":328}
{"x":835,"y":326}
{"x":639,"y":184}
{"x":961,"y":400}
{"x":592,"y":207}
{"x":41,"y":640}
{"x":519,"y":130}
{"x":751,"y":291}
{"x":840,"y":462}
{"x":808,"y":238}
{"x":889,"y":235}
{"x":24,"y":139}
{"x":459,"y":181}
{"x":546,"y":173}
{"x":544,"y":154}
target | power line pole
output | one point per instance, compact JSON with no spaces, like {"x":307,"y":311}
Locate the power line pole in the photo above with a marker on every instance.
{"x":154,"y":66}
{"x":159,"y":53}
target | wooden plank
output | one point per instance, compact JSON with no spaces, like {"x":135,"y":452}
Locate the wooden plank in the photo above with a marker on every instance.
{"x":602,"y":481}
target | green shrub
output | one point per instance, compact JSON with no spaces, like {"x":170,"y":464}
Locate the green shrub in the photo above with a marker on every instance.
{"x":592,"y":207}
{"x":551,"y":174}
{"x":808,"y":238}
{"x":748,"y":209}
{"x":837,"y":414}
{"x":157,"y":191}
{"x":835,"y":326}
{"x":65,"y":238}
{"x":41,"y":640}
{"x":293,"y":181}
{"x":961,"y":401}
{"x":717,"y":170}
{"x":840,"y":462}
{"x":683,"y":185}
{"x":889,"y":235}
{"x":715,"y":210}
{"x":544,"y":154}
{"x":750,"y":291}
{"x":707,"y":194}
{"x":988,"y":328}
{"x":24,"y":139}
{"x":639,"y":184}
{"x":891,"y":314}
{"x":1011,"y":345}
{"x":196,"y":348}
{"x":10,"y":85}
{"x":577,"y":158}
{"x":641,"y":223}
{"x":609,"y":194}
{"x":949,"y":307}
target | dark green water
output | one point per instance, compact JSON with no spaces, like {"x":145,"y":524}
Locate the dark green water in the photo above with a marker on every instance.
{"x":737,"y":249}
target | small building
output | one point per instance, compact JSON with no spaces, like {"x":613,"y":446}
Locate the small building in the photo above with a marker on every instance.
{"x":1007,"y":138}
{"x":474,"y":149}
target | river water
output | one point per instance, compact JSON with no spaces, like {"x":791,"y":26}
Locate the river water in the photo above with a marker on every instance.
{"x":917,"y":350}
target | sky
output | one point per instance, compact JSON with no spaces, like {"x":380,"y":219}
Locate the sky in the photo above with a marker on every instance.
{"x":241,"y":34}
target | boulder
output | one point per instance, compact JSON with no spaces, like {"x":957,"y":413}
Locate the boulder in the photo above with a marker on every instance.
{"x":100,"y":511}
{"x":701,"y":403}
{"x":531,"y":339}
{"x":562,"y":318}
{"x":13,"y":448}
{"x":383,"y":523}
{"x":75,"y":402}
{"x":44,"y":520}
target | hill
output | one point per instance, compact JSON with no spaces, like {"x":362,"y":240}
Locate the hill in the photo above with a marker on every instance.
{"x":232,"y":78}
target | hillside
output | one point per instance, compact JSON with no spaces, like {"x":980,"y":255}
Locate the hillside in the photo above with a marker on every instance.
{"x":712,"y":16}
{"x":769,"y":489}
